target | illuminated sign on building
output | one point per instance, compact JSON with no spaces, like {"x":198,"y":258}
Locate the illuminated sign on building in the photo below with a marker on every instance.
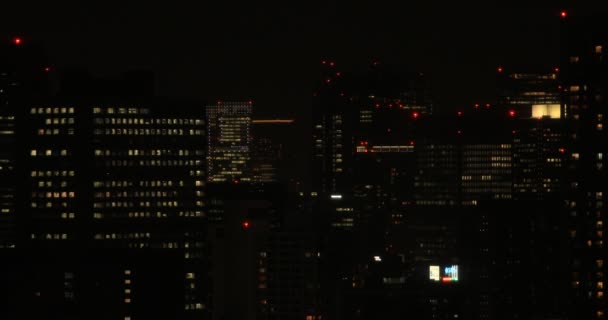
{"x":449,"y":274}
{"x":434,"y":273}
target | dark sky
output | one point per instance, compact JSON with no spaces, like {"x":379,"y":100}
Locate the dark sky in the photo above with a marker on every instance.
{"x":271,"y":51}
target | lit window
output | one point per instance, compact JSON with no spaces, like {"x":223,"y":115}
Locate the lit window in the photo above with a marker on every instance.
{"x":598,"y":49}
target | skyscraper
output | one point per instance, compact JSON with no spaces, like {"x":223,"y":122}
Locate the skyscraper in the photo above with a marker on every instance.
{"x":270,"y":151}
{"x":229,"y":141}
{"x":584,"y":61}
{"x":113,"y":205}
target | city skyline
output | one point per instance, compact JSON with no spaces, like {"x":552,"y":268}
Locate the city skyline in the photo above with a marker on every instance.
{"x":345,"y":161}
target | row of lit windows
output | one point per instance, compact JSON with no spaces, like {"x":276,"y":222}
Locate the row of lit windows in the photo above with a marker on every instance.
{"x":56,"y":110}
{"x":136,"y":194}
{"x":112,"y":110}
{"x":55,"y":173}
{"x":154,"y":163}
{"x":143,"y":204}
{"x":55,"y":132}
{"x":148,"y":121}
{"x":146,"y":214}
{"x":113,"y":236}
{"x":53,"y":195}
{"x":143,"y":152}
{"x":59,"y":121}
{"x":49,"y":205}
{"x":148,"y":132}
{"x":50,"y":236}
{"x":145,"y":183}
{"x":49,"y":153}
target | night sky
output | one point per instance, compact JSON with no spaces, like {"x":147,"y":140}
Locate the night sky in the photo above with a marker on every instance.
{"x":271,"y":52}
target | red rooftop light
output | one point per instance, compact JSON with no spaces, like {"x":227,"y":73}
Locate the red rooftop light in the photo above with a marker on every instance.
{"x":511,"y":113}
{"x":562,"y":150}
{"x":246,"y":224}
{"x":499,"y":69}
{"x":563,"y":14}
{"x":556,"y":69}
{"x":415,"y":115}
{"x":17,"y":41}
{"x":331,"y":64}
{"x":323,"y":62}
{"x":47,"y":69}
{"x":459,"y":113}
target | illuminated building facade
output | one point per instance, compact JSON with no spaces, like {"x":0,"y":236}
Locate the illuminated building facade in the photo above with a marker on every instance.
{"x":115,"y":207}
{"x":584,"y":62}
{"x":530,"y":95}
{"x":229,"y":141}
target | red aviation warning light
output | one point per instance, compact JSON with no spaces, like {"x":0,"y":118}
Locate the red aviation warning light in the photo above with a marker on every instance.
{"x":17,"y":41}
{"x":511,"y":113}
{"x":499,"y":69}
{"x":245,"y":224}
{"x":415,"y":115}
{"x":563,"y":14}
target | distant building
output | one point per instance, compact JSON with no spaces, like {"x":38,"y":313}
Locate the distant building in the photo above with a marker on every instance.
{"x":229,"y":141}
{"x":529,"y":95}
{"x":270,"y":150}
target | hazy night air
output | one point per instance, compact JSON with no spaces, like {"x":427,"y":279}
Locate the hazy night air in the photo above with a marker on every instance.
{"x":313,"y":161}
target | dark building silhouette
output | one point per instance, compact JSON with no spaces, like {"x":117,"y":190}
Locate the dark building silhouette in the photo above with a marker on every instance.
{"x":272,"y":153}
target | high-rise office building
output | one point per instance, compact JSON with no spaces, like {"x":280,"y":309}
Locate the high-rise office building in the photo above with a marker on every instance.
{"x":271,"y":150}
{"x":229,"y":141}
{"x":585,"y":70}
{"x":529,"y":94}
{"x":113,"y":206}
